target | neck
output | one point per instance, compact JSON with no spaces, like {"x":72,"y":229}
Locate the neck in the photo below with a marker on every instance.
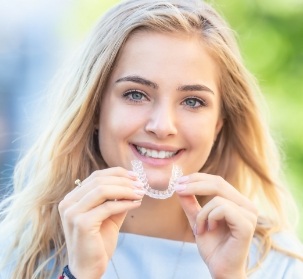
{"x":159,"y":218}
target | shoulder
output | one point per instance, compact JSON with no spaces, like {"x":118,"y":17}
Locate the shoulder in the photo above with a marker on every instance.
{"x":9,"y":258}
{"x":280,"y":262}
{"x":7,"y":264}
{"x":288,"y":241}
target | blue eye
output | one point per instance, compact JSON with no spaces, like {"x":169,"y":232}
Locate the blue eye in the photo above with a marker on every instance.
{"x":135,"y":96}
{"x":194,"y":102}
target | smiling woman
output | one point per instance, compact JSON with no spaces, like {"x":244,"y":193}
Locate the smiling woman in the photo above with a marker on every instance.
{"x":148,"y":111}
{"x":160,"y":85}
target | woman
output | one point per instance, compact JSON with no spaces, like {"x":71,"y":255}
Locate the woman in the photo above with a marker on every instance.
{"x":162,"y":83}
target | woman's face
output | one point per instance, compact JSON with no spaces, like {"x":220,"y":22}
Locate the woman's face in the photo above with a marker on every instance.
{"x":161,"y":106}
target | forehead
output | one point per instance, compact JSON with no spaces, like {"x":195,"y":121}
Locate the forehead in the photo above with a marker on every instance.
{"x":154,"y":43}
{"x":157,"y":55}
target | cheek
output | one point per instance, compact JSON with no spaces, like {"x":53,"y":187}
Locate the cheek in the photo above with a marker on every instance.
{"x":111,"y":117}
{"x":200,"y":129}
{"x":117,"y":125}
{"x":201,"y":140}
{"x":200,"y":145}
{"x":200,"y":135}
{"x":126,"y":121}
{"x":108,"y":125}
{"x":110,"y":133}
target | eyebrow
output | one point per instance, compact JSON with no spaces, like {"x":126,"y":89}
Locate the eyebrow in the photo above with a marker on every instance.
{"x":140,"y":80}
{"x":144,"y":81}
{"x":195,"y":87}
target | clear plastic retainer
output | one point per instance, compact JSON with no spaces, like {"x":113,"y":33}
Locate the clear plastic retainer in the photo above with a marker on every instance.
{"x":157,"y":194}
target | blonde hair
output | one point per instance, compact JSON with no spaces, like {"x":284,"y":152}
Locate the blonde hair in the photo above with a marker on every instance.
{"x":244,"y":153}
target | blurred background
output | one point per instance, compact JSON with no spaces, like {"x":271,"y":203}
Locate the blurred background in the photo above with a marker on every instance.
{"x":37,"y":36}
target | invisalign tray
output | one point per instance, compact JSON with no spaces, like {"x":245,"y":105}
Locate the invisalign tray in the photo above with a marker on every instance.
{"x":157,"y":194}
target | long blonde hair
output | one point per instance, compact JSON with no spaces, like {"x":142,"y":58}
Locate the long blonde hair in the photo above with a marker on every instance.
{"x":244,"y":153}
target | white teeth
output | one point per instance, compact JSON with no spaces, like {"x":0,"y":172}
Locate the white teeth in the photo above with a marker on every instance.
{"x":143,"y":150}
{"x":154,"y":153}
{"x":162,"y":154}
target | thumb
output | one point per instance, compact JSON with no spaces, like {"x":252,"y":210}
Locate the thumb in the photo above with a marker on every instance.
{"x":119,"y":219}
{"x":191,"y":208}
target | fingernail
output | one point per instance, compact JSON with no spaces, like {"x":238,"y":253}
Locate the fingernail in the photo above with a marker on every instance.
{"x":180,"y":187}
{"x":137,"y":201}
{"x":138,"y":184}
{"x":182,"y":179}
{"x":140,"y":192}
{"x":132,"y":173}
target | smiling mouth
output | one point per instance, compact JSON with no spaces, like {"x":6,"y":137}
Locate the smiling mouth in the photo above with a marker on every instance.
{"x":156,"y":154}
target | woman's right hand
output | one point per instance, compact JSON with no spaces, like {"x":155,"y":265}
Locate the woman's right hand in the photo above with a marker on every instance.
{"x":92,"y":215}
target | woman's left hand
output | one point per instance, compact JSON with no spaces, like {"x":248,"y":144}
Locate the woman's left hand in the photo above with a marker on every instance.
{"x":223,"y":227}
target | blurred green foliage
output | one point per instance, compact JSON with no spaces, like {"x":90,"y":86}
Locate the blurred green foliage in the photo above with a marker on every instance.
{"x":270,"y":34}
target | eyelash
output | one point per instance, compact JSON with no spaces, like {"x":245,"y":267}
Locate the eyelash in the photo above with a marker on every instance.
{"x":127,"y":95}
{"x":202,"y":103}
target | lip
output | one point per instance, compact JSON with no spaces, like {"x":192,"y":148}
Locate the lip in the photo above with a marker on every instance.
{"x":158,"y":161}
{"x":157,"y":147}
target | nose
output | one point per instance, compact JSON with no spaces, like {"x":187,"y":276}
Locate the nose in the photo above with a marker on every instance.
{"x":162,"y":121}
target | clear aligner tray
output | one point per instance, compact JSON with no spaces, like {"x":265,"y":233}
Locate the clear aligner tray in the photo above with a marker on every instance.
{"x":153,"y":193}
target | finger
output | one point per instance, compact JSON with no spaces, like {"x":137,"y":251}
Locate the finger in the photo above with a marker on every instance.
{"x":211,"y":185}
{"x":90,"y":185}
{"x":99,"y":195}
{"x":116,"y":175}
{"x":92,"y":220}
{"x":115,"y":171}
{"x":191,"y":208}
{"x":104,"y":193}
{"x":239,"y":220}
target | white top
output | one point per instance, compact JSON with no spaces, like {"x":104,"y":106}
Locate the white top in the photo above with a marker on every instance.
{"x":142,"y":257}
{"x":138,"y":257}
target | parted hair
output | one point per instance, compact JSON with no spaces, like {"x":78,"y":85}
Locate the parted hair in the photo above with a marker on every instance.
{"x":244,"y":153}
